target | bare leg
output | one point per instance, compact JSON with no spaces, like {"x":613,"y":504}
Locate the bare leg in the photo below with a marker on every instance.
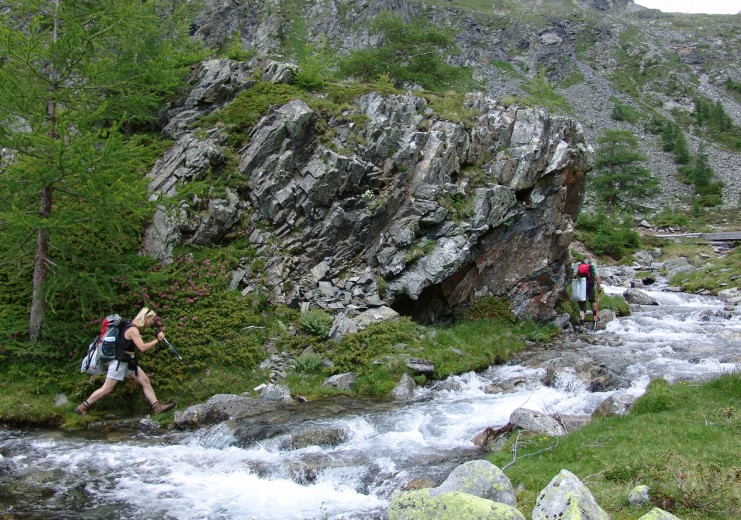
{"x":143,"y":379}
{"x":103,"y":391}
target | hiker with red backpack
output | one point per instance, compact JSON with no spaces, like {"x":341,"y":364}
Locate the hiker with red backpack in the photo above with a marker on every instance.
{"x":586,"y":269}
{"x":125,"y":364}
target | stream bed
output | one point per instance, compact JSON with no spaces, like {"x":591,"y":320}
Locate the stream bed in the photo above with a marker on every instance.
{"x":379,"y":447}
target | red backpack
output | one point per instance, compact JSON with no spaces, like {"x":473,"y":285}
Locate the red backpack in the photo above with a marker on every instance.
{"x":584,"y":270}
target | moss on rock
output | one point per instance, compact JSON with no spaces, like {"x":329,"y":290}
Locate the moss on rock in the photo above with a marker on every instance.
{"x":421,"y":505}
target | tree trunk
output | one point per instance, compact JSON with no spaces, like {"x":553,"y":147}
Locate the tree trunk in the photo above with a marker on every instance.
{"x":40,"y":269}
{"x":41,"y":258}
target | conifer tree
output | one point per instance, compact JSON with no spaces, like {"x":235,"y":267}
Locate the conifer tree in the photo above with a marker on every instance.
{"x":620,"y":181}
{"x":681,"y":152}
{"x":702,"y":174}
{"x":408,"y":52}
{"x":77,"y":78}
{"x":669,"y":137}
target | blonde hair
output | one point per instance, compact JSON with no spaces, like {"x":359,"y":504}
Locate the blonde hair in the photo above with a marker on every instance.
{"x":143,"y":314}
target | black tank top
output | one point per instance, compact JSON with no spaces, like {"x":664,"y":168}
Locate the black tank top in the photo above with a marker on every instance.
{"x":126,"y":344}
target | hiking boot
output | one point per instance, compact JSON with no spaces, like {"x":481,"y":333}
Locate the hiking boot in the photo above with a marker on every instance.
{"x":158,"y":408}
{"x":82,"y":409}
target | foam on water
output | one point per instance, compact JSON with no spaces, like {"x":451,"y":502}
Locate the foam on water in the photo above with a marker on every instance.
{"x":204,"y":474}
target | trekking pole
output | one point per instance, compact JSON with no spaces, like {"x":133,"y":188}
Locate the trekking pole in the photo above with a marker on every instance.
{"x":186,"y":364}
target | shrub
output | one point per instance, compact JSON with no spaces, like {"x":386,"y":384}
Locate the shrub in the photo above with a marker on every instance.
{"x":317,"y":322}
{"x":491,"y":308}
{"x":309,"y":363}
{"x":543,"y":94}
{"x":607,"y":235}
{"x":410,"y":52}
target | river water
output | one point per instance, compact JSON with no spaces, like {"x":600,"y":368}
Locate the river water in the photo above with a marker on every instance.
{"x":379,"y":447}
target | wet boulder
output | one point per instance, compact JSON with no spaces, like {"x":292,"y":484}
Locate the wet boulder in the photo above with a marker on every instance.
{"x":7,"y":467}
{"x":638,"y":297}
{"x":597,"y":377}
{"x":567,"y":497}
{"x":730,"y":296}
{"x":480,"y":478}
{"x":404,"y":389}
{"x":533,"y":421}
{"x":320,"y":436}
{"x":421,"y":505}
{"x":274,"y":392}
{"x":617,"y":404}
{"x":223,"y":407}
{"x":491,"y":439}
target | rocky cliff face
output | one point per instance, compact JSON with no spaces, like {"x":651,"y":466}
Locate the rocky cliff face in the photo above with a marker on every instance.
{"x":399,"y":207}
{"x":595,"y":52}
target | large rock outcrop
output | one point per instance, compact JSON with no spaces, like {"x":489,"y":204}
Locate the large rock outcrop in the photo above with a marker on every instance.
{"x":397,"y":206}
{"x":578,"y":44}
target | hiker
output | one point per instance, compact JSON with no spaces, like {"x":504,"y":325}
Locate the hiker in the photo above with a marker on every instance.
{"x":588,"y":270}
{"x":118,"y":369}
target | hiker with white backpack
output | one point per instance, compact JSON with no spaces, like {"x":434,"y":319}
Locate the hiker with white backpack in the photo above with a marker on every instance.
{"x":586,"y":270}
{"x":124,"y":365}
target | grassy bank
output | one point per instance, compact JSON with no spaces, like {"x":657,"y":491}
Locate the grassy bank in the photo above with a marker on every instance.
{"x":230,"y":362}
{"x":680,"y":440}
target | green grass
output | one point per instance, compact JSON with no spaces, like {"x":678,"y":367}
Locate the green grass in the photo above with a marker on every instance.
{"x":541,"y":93}
{"x":222,"y":345}
{"x":715,"y":275}
{"x":450,"y":106}
{"x":678,"y":440}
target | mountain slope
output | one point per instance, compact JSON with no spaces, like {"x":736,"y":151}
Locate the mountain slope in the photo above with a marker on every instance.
{"x":596,"y":54}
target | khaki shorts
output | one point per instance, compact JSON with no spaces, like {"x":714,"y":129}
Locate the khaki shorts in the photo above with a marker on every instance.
{"x":118,"y":370}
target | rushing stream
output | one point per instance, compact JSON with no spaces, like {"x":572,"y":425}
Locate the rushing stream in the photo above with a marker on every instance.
{"x":212,"y":474}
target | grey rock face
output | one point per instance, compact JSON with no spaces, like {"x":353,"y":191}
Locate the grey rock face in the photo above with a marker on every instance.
{"x":395,"y":211}
{"x":542,"y":35}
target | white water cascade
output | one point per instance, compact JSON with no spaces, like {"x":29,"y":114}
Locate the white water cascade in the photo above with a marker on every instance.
{"x":210,"y":474}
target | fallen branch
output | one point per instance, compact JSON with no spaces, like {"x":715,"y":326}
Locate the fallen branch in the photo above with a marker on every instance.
{"x":515,"y":458}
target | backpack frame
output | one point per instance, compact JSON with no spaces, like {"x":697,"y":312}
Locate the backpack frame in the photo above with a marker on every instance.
{"x":107,"y":346}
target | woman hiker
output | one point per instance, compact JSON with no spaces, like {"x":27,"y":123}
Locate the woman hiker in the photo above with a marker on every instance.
{"x":118,"y":370}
